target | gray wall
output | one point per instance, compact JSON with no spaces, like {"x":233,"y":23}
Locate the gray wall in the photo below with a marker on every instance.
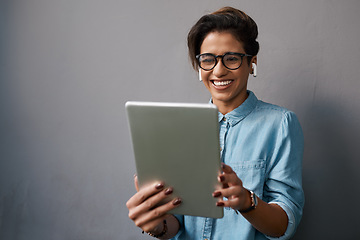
{"x":67,"y":67}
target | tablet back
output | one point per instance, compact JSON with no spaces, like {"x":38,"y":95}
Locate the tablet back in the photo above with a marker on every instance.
{"x":178,"y":143}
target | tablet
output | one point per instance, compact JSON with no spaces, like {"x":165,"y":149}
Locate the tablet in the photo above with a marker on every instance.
{"x":178,"y":143}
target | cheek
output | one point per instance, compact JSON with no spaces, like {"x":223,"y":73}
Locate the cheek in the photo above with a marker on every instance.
{"x":206,"y":76}
{"x":243,"y":74}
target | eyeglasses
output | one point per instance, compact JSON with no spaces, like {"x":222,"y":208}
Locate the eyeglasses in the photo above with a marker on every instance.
{"x":231,"y":60}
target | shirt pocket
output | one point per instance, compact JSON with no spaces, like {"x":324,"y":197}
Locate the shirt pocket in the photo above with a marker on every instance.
{"x":252,"y":174}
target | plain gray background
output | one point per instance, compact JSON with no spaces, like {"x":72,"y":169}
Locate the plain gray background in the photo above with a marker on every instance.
{"x":67,"y":67}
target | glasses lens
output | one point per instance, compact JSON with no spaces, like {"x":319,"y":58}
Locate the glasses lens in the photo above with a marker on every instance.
{"x":232,"y":61}
{"x":207,"y":61}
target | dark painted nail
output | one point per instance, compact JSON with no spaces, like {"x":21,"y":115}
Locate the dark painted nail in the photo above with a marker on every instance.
{"x":159,"y":186}
{"x":168,"y":191}
{"x":216,"y":194}
{"x":220,"y":204}
{"x":177,"y":201}
{"x":222,"y":178}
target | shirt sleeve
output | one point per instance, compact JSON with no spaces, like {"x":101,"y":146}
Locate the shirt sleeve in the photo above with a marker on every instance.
{"x":283,"y":185}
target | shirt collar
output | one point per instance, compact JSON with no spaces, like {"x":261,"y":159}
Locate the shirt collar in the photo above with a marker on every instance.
{"x":239,"y":113}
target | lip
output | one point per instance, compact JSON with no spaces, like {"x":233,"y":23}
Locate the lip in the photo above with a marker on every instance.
{"x":222,"y":87}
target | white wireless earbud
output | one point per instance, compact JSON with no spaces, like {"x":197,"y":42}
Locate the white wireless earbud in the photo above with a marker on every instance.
{"x":254,"y":69}
{"x":200,"y":75}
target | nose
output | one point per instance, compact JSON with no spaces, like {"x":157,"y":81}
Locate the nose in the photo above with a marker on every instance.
{"x":219,"y":70}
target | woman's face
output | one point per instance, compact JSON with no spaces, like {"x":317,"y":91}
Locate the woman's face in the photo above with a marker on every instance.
{"x":228,"y":88}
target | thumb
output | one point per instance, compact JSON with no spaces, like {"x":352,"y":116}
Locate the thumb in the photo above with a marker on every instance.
{"x":136,"y":182}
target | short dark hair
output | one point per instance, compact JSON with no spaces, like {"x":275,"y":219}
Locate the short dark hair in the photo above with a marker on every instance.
{"x":226,"y":19}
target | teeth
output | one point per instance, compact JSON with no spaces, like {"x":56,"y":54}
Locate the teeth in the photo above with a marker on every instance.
{"x":221,"y":83}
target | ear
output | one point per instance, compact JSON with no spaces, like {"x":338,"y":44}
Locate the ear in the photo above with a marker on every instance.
{"x":254,"y":60}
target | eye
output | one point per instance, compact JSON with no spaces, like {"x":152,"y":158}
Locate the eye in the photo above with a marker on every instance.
{"x":207,"y":59}
{"x":232,"y":58}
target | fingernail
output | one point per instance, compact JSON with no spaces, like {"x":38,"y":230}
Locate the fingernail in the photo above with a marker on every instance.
{"x":216,"y":194}
{"x":222,"y":178}
{"x":159,"y":186}
{"x":135,"y":175}
{"x":177,"y":201}
{"x":220,"y":204}
{"x":168,"y":191}
{"x":222,"y":165}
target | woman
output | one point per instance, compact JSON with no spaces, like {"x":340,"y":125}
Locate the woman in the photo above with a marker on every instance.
{"x":261,"y":146}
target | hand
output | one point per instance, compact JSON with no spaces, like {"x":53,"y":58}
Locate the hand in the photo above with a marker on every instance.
{"x":237,"y":196}
{"x":143,"y":206}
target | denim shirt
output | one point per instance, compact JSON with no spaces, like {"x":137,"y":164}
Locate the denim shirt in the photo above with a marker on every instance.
{"x":263,"y":144}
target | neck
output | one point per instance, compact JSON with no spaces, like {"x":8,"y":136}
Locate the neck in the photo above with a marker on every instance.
{"x":226,"y":107}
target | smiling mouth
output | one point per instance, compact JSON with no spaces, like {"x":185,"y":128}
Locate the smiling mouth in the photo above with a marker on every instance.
{"x":221,"y":83}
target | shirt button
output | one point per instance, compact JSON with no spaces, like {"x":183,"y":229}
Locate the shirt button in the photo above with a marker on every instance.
{"x":224,"y":119}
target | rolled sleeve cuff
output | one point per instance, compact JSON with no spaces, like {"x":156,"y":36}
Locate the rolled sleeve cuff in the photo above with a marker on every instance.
{"x":290,"y":230}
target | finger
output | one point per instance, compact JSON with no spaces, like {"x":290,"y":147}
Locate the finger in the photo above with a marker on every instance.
{"x":221,"y":179}
{"x":229,"y":179}
{"x":226,"y":168}
{"x":234,"y":203}
{"x":156,"y":200}
{"x":144,"y":193}
{"x":236,"y":197}
{"x":150,"y":203}
{"x":229,"y":192}
{"x":136,"y":182}
{"x":157,"y":213}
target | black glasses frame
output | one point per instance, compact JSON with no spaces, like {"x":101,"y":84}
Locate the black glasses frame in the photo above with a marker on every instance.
{"x":242,"y":55}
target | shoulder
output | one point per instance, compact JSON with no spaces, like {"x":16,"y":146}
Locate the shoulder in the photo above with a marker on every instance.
{"x":269,"y":110}
{"x":276,"y":114}
{"x":264,"y":107}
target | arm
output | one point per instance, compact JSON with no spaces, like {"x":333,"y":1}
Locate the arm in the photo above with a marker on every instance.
{"x":149,"y":218}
